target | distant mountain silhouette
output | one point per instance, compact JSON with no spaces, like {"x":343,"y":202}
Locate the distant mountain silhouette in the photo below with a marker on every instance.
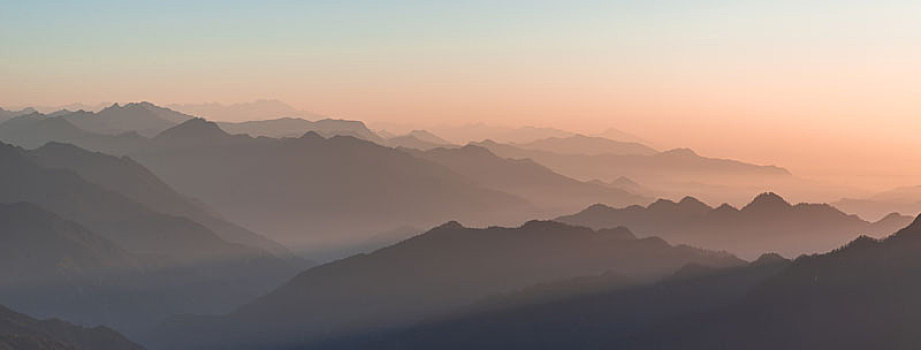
{"x":447,"y":267}
{"x":627,"y":184}
{"x":7,"y":115}
{"x":479,"y":131}
{"x":411,"y":142}
{"x":21,"y":332}
{"x":664,"y":168}
{"x":144,"y":118}
{"x":257,"y":110}
{"x":418,"y":139}
{"x":622,"y":136}
{"x":428,"y":137}
{"x":768,"y":223}
{"x":312,"y":190}
{"x":527,"y":179}
{"x":34,"y":130}
{"x":586,"y":145}
{"x":905,"y":200}
{"x":295,"y":127}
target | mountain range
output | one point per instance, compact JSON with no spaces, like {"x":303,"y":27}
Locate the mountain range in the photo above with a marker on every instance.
{"x":767,"y":224}
{"x":603,"y":315}
{"x":428,"y":275}
{"x":906,"y":199}
{"x":859,"y":296}
{"x":313,"y":190}
{"x":586,"y":145}
{"x":418,"y":139}
{"x":264,"y":109}
{"x":527,"y":179}
{"x":296,"y":127}
{"x":674,"y":165}
{"x":8,"y":114}
{"x":144,"y":118}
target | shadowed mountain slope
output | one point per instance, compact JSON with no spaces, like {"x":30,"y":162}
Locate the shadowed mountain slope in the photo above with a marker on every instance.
{"x":38,"y":247}
{"x":598,"y":315}
{"x":861,"y":296}
{"x":447,"y":267}
{"x":768,"y":223}
{"x":21,"y":332}
{"x":188,"y":261}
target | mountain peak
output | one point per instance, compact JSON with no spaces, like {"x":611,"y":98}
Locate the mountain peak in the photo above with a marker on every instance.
{"x":688,"y":200}
{"x":767,"y":201}
{"x":769,"y":258}
{"x":686,"y":152}
{"x":543,"y":225}
{"x":195,"y":128}
{"x":624,"y":181}
{"x":662,"y":203}
{"x":450,"y":225}
{"x":312,"y":135}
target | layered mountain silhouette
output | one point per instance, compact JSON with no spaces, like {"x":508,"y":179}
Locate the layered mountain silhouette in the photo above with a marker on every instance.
{"x":622,"y":136}
{"x":305,"y":190}
{"x":8,"y":114}
{"x":480,"y":131}
{"x":263,"y":109}
{"x":35,"y":129}
{"x":419,"y":140}
{"x":678,"y":165}
{"x":596,"y":313}
{"x":905,"y":199}
{"x":860,"y":296}
{"x":21,"y":332}
{"x":129,"y":178}
{"x":527,"y":179}
{"x":428,"y":275}
{"x":315,"y":190}
{"x":158,"y":256}
{"x":39,"y":247}
{"x":587,"y":145}
{"x":768,"y":223}
{"x":295,"y":127}
{"x":144,"y":118}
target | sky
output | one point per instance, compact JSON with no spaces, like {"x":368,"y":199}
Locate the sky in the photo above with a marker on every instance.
{"x":828,"y":89}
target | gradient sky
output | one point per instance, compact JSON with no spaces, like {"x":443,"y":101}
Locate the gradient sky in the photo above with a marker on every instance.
{"x":829,"y":89}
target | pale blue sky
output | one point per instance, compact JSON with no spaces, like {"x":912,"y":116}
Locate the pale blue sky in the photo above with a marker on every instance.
{"x":677,"y":72}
